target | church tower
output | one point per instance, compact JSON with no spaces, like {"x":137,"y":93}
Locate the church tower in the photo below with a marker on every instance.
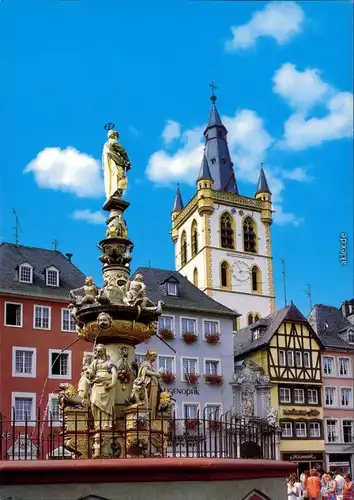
{"x":222,"y":239}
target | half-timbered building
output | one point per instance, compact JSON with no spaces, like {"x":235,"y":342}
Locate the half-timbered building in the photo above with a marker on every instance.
{"x":287,"y":349}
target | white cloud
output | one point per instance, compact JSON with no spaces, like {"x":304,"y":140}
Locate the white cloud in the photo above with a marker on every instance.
{"x":282,"y":218}
{"x":67,"y":170}
{"x":171,"y":131}
{"x":278,"y":20}
{"x":89,"y":216}
{"x":299,"y":174}
{"x":302,"y":89}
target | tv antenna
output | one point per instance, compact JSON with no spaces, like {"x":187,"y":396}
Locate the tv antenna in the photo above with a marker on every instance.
{"x":55,"y":244}
{"x":284,"y":280}
{"x":309,"y":294}
{"x":17,"y":227}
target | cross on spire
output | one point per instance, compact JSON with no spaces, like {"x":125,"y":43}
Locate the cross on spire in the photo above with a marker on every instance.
{"x":213,"y":87}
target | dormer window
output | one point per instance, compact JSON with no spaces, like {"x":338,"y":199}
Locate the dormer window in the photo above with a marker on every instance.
{"x":52,"y":276}
{"x":350,"y":336}
{"x":256,"y":334}
{"x":172,"y":289}
{"x":25,"y":274}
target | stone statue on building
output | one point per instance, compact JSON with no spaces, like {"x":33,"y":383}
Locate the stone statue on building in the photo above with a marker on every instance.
{"x":150,"y":377}
{"x":115,"y":163}
{"x":247,"y":404}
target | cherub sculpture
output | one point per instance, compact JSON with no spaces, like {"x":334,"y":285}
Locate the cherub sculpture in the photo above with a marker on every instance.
{"x":84,"y":295}
{"x":136,"y":295}
{"x":139,"y":395}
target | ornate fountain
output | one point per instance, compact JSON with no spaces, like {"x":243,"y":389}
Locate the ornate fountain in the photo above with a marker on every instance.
{"x":118,"y":409}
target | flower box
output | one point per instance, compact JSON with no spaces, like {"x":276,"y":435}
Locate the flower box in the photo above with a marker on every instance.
{"x":213,"y":379}
{"x":214,"y":425}
{"x":192,"y":424}
{"x":192,"y":378}
{"x":190,"y":337}
{"x":168,"y":377}
{"x":212,"y":338}
{"x":166,"y":334}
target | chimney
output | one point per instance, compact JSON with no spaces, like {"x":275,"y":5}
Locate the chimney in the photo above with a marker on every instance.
{"x":68,"y":256}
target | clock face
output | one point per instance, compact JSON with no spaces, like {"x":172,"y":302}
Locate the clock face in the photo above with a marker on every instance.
{"x":240,"y":271}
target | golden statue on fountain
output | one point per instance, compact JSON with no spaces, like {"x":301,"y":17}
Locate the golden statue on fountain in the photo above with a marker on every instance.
{"x":119,"y":409}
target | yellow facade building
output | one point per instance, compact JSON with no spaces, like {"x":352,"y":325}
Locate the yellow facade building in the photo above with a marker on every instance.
{"x":286,"y":348}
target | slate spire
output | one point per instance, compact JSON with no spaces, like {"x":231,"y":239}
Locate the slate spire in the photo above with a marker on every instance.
{"x":262,"y":183}
{"x":178,"y":203}
{"x":217,"y":152}
{"x":204,"y":172}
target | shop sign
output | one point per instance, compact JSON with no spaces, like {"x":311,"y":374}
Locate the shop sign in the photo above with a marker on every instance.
{"x":185,"y":392}
{"x":339,"y":464}
{"x":307,"y":413}
{"x":298,"y":457}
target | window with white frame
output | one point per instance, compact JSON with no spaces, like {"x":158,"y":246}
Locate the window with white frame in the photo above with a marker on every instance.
{"x":314,"y":430}
{"x":25,"y":274}
{"x":343,"y":367}
{"x":24,"y":407}
{"x":346,"y":396}
{"x":282,"y":358}
{"x":211,"y":327}
{"x":166,"y":323}
{"x":298,"y":358}
{"x":24,"y":362}
{"x":300,"y":429}
{"x":212,"y":412}
{"x":172,"y":289}
{"x":312,"y":396}
{"x":13,"y":314}
{"x":350,"y":336}
{"x":54,"y":410}
{"x":332,"y":431}
{"x":190,"y":411}
{"x":41,"y":317}
{"x":299,"y":396}
{"x":189,"y":325}
{"x":348,"y":431}
{"x":307,"y":359}
{"x":139,"y":358}
{"x":167,"y":364}
{"x":212,"y":366}
{"x":59,"y":364}
{"x":330,"y":396}
{"x":284,"y":395}
{"x":190,"y":365}
{"x":67,"y":321}
{"x":52,"y":277}
{"x":286,"y":429}
{"x":290,"y":358}
{"x":328,"y":365}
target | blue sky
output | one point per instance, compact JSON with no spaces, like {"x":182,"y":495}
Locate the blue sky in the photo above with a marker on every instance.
{"x":283,"y":74}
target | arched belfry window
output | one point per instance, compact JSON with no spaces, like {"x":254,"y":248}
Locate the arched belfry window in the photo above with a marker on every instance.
{"x":225,"y":274}
{"x":227,"y":231}
{"x":256,"y":279}
{"x":183,"y":249}
{"x":250,"y":319}
{"x":195,"y":277}
{"x":194,"y":238}
{"x":256,"y":318}
{"x":249,"y":235}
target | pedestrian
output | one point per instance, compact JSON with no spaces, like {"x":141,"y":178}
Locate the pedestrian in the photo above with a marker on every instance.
{"x":313,"y":486}
{"x":348,"y":487}
{"x":330,"y":487}
{"x":293,"y":493}
{"x":339,"y":479}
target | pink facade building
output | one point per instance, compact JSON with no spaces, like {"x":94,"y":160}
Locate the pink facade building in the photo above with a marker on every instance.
{"x":337,"y":336}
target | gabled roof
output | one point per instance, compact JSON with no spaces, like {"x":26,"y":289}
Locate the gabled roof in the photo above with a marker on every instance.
{"x":189,"y":297}
{"x":12,"y":256}
{"x":243,"y":339}
{"x":331,"y":326}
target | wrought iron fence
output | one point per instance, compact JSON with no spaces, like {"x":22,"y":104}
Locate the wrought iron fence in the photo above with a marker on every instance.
{"x":227,"y":436}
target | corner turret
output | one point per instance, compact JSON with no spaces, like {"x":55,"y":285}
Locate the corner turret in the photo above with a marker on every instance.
{"x":263,"y":193}
{"x":177,"y":208}
{"x":205,"y":184}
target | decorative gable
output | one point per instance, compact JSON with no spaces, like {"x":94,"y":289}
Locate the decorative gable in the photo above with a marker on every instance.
{"x":22,"y":449}
{"x":25,"y":273}
{"x":256,"y":495}
{"x":52,"y":276}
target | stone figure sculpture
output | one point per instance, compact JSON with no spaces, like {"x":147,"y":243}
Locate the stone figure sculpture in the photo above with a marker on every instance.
{"x":84,"y":383}
{"x":69,"y":397}
{"x":150,"y":377}
{"x":116,"y":227}
{"x":115,"y":163}
{"x":247,"y":404}
{"x":272,"y":416}
{"x":103,"y":377}
{"x":136,"y":295}
{"x":139,"y":395}
{"x":84,"y":295}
